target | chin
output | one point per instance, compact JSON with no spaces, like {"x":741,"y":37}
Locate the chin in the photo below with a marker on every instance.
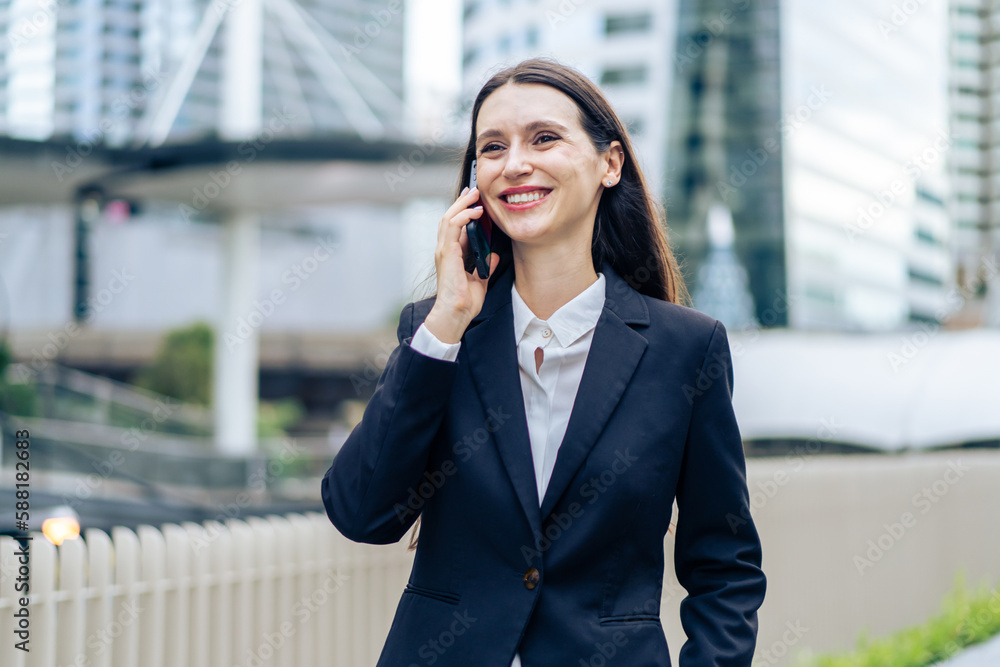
{"x":527,"y":232}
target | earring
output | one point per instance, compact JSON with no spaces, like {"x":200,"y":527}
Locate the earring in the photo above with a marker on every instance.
{"x":609,"y":184}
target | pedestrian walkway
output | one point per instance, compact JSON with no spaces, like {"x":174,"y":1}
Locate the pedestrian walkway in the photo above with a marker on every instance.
{"x":986,"y":654}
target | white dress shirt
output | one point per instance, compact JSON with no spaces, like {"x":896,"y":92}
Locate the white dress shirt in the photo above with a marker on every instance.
{"x":550,"y":391}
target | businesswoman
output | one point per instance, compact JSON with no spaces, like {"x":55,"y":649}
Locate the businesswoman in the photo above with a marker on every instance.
{"x":540,"y":422}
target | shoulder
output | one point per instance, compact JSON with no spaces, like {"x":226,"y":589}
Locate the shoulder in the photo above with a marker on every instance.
{"x":682,"y":323}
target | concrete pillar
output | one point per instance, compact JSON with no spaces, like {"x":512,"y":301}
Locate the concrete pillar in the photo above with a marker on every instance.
{"x":237,"y":341}
{"x":234,"y":388}
{"x":242,"y":77}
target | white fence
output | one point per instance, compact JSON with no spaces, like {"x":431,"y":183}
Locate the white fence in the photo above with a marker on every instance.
{"x":276,"y":591}
{"x":293,"y":591}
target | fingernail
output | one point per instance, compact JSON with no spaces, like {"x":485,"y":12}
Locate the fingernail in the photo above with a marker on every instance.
{"x":465,"y":190}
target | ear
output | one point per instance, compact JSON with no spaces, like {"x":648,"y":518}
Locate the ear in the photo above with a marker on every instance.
{"x":615,"y":160}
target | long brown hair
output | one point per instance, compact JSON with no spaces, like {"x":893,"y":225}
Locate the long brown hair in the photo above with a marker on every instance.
{"x":630,"y":227}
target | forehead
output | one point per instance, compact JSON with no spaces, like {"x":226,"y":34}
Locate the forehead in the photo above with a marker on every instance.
{"x":513,"y":106}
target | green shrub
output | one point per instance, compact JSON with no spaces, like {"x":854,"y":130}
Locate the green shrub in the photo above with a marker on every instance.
{"x":15,"y":399}
{"x":182,"y":368}
{"x":274,"y":417}
{"x":966,"y":618}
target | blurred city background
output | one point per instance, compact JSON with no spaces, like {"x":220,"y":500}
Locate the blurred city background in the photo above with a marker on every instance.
{"x":212,"y":212}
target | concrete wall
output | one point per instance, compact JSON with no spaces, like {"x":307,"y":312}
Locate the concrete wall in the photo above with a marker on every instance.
{"x":864,"y":542}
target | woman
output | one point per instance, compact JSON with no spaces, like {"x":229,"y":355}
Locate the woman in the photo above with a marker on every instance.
{"x":542,"y":421}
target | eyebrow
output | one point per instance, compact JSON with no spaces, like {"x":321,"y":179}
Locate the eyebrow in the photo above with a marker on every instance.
{"x":530,"y":127}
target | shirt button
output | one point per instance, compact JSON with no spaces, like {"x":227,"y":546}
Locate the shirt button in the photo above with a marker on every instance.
{"x":531,"y":578}
{"x":546,"y":333}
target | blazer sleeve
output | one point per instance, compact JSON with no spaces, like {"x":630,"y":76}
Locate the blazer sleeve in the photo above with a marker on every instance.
{"x":717,"y":551}
{"x":366,"y":488}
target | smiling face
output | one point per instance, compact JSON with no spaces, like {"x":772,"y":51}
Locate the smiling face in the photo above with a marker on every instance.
{"x":538,"y":171}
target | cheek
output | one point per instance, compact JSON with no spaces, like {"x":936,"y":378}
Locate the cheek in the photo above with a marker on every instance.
{"x":576,"y":170}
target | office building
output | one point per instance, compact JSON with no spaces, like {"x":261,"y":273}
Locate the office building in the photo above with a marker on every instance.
{"x":828,"y":141}
{"x":974,"y":167}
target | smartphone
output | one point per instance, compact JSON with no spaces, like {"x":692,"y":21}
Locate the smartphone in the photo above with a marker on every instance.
{"x":480,"y":232}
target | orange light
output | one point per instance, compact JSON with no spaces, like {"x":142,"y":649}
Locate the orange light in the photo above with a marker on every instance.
{"x":60,"y":528}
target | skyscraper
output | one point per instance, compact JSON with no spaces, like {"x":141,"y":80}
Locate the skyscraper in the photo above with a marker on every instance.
{"x":826,"y":136}
{"x":974,"y":166}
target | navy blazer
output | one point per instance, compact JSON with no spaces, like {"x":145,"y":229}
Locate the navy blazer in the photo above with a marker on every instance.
{"x":577,"y":581}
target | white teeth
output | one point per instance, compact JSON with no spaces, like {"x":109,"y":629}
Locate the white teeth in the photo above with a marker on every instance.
{"x":525,"y":197}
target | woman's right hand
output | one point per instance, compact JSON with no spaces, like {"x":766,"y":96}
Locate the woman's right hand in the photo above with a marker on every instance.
{"x":460,"y":294}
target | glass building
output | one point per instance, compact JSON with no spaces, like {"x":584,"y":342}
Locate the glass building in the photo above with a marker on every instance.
{"x":975,"y":157}
{"x":826,"y":135}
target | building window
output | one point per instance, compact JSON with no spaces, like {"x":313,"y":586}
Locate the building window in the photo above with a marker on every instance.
{"x":614,"y":76}
{"x":921,"y":276}
{"x":628,"y":23}
{"x":929,"y":197}
{"x":926,"y":236}
{"x":820,"y":293}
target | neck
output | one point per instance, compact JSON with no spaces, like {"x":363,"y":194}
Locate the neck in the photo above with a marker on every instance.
{"x":547,"y":283}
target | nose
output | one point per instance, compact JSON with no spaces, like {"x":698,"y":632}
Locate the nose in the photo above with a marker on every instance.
{"x":518,"y":163}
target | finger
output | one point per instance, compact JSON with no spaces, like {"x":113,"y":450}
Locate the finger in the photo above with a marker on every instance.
{"x":463,"y":240}
{"x":449,"y":228}
{"x":453,"y":229}
{"x":465,"y":200}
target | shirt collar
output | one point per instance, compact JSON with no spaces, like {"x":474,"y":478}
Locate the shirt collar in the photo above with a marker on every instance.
{"x":575,"y":318}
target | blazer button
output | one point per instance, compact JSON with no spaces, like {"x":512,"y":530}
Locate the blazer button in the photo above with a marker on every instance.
{"x":531,"y":578}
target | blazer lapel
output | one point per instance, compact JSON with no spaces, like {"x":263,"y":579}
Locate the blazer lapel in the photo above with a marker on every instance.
{"x":493,"y":358}
{"x":614,"y":355}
